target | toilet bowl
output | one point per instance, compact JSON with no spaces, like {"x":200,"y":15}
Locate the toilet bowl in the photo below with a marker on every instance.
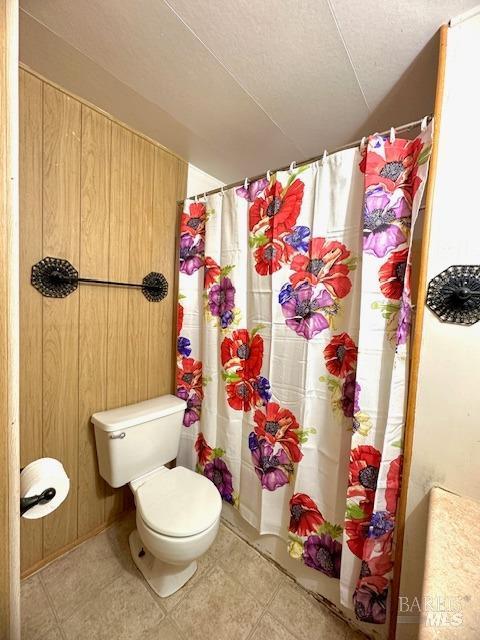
{"x":178,"y":515}
{"x":178,"y":510}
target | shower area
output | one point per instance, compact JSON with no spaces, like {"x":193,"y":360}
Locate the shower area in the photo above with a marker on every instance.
{"x":294,"y":317}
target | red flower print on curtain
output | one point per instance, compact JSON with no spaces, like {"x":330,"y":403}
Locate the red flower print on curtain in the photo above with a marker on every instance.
{"x":394,"y":176}
{"x":320,"y":279}
{"x":341,"y":355}
{"x":193,"y":220}
{"x":272,"y":218}
{"x":275,"y":445}
{"x":277,"y":211}
{"x":324,"y":263}
{"x":242,"y":357}
{"x":391,"y":275}
{"x":397,"y":167}
{"x":190,"y":388}
{"x":312,"y":538}
{"x":280,"y":426}
{"x":286,"y":351}
{"x":304,"y":515}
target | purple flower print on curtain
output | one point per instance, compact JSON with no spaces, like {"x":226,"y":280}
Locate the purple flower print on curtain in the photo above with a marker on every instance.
{"x":273,"y":469}
{"x":211,"y":463}
{"x":298,"y":239}
{"x":323,"y":554}
{"x":221,"y":301}
{"x":382,"y":231}
{"x":183,"y":346}
{"x":370,"y":599}
{"x":350,"y":393}
{"x":191,"y":253}
{"x":252,"y":190}
{"x":194,"y":404}
{"x":302,"y":307}
{"x":217,"y":471}
{"x":404,"y":322}
{"x":262,"y":386}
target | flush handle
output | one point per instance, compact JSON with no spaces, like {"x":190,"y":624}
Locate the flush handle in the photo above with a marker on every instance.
{"x":118,"y":436}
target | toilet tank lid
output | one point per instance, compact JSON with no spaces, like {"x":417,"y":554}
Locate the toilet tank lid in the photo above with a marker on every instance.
{"x":134,"y":414}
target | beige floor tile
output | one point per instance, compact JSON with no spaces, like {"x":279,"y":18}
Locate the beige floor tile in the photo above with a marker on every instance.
{"x":223,"y":543}
{"x":80,"y":575}
{"x":124,"y":610}
{"x":217,"y":607}
{"x":172,"y":601}
{"x":118,"y":533}
{"x":269,"y":629}
{"x":96,"y":591}
{"x":256,"y":574}
{"x":38,"y":618}
{"x":303,"y":616}
{"x":166,"y":630}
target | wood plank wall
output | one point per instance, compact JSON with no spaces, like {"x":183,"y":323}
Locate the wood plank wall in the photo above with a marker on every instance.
{"x":103,"y":197}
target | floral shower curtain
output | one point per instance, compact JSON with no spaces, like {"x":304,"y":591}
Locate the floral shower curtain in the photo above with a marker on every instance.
{"x":293,"y":323}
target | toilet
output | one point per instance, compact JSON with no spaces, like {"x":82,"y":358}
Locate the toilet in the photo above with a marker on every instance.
{"x":177,"y":510}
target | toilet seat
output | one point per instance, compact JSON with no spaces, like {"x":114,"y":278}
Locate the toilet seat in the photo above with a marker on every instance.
{"x":178,"y":503}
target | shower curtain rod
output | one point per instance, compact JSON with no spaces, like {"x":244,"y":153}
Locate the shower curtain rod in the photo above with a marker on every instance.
{"x":401,"y":129}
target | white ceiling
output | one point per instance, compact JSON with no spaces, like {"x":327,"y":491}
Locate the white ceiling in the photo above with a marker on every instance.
{"x":237,"y":87}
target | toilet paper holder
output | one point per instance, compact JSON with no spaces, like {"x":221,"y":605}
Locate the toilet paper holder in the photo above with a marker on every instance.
{"x":32,"y":501}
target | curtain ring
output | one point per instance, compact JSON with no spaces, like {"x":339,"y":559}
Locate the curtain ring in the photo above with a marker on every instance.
{"x":363,"y":143}
{"x":222,"y":192}
{"x":324,"y":156}
{"x":195,"y":198}
{"x":292,"y":166}
{"x":392,"y":135}
{"x":205,"y":195}
{"x":424,"y":125}
{"x":245,"y":184}
{"x":268,"y":175}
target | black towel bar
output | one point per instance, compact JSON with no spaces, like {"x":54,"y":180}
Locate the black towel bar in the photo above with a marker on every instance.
{"x":57,"y":278}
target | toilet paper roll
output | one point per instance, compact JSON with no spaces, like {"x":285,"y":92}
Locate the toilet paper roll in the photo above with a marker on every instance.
{"x":38,"y":476}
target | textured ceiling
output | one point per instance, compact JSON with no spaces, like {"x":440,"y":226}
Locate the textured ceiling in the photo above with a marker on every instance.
{"x":239,"y":87}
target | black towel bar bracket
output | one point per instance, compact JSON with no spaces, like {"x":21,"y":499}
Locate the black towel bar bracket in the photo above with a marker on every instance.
{"x":454,"y":294}
{"x":57,"y":278}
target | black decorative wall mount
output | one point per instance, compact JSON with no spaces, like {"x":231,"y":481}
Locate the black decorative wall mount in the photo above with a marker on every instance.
{"x":54,"y":277}
{"x":454,"y":294}
{"x":57,"y":278}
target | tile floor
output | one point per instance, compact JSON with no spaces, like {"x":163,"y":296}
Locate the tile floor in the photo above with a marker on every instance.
{"x":95,"y":591}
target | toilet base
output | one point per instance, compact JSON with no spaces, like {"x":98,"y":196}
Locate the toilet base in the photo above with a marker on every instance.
{"x":163,"y":578}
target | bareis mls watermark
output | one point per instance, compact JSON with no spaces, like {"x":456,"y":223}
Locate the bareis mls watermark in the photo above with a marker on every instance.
{"x":431,"y":611}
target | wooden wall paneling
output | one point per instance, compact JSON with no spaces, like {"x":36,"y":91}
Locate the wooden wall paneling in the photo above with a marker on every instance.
{"x":93,"y":316}
{"x":103,"y":197}
{"x":61,"y":237}
{"x":160,"y":377}
{"x":117,"y":325}
{"x":143,"y":159}
{"x":182,"y":174}
{"x":9,"y":325}
{"x":31,"y":429}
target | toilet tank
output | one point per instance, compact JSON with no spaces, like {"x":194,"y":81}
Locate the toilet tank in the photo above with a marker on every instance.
{"x":138,"y":438}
